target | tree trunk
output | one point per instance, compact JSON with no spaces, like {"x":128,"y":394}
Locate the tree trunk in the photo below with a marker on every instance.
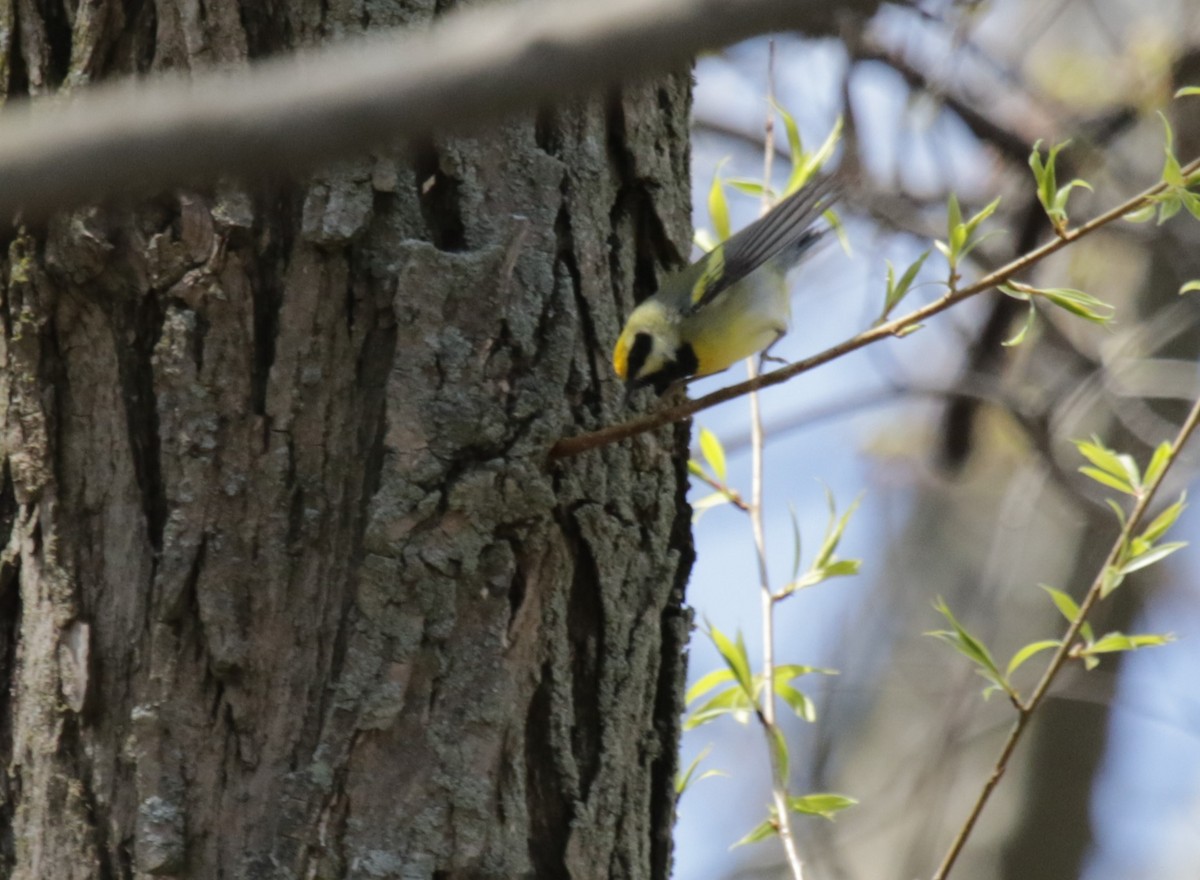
{"x":290,"y":589}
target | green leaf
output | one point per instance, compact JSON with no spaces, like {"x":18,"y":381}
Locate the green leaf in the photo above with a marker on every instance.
{"x":1190,"y":287}
{"x":1103,"y":457}
{"x":1028,"y":651}
{"x":751,"y":187}
{"x":1020,"y":335}
{"x":1115,"y":642}
{"x":909,"y":330}
{"x":1117,"y":510}
{"x":795,"y":145}
{"x":826,"y":806}
{"x":695,"y":468}
{"x":1043,"y":173}
{"x":701,"y":506}
{"x":1108,"y":480}
{"x":1161,"y":523}
{"x":779,"y":743}
{"x":1158,"y":463}
{"x":789,"y":671}
{"x":735,"y":658}
{"x":706,"y":683}
{"x":804,"y":167}
{"x":969,"y":646}
{"x":1187,"y":90}
{"x":956,"y":234}
{"x":713,"y":453}
{"x":1157,"y":554}
{"x":685,"y":778}
{"x":1169,"y":204}
{"x":1066,"y":606}
{"x":766,"y":829}
{"x":1111,"y":578}
{"x":841,"y":568}
{"x":731,"y":701}
{"x":988,"y":211}
{"x":897,"y":290}
{"x":1141,"y":215}
{"x":1190,"y":201}
{"x":797,"y":700}
{"x":1172,"y":174}
{"x":1078,"y":303}
{"x":718,"y":208}
{"x":833,"y":530}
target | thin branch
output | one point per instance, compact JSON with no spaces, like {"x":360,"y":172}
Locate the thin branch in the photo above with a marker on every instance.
{"x":1063,"y":652}
{"x":569,"y":446}
{"x":771,"y":732}
{"x":471,"y":67}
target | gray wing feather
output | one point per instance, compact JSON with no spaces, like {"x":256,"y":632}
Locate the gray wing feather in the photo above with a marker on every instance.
{"x":766,"y":237}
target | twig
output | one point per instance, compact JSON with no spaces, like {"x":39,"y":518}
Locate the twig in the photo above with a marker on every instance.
{"x":771,"y":732}
{"x":472,"y":67}
{"x":1026,"y":709}
{"x":569,"y":446}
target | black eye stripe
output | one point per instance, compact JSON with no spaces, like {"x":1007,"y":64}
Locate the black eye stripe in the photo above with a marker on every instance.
{"x":684,"y":365}
{"x":643,"y":344}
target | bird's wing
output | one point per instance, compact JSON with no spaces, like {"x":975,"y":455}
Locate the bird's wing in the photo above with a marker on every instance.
{"x":763,"y":239}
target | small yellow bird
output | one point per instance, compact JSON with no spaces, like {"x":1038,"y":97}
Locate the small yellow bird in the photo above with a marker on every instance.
{"x":730,"y":304}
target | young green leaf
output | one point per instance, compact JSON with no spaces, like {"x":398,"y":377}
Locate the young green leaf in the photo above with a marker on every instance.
{"x":897,"y":290}
{"x":1028,"y":651}
{"x":1111,"y":578}
{"x":1161,"y":523}
{"x":779,"y":743}
{"x":1141,"y":215}
{"x":834,"y":530}
{"x":1020,"y":335}
{"x":789,"y":671}
{"x":1108,"y":480}
{"x":1190,"y":287}
{"x":1116,"y":508}
{"x":731,"y":701}
{"x":1158,"y":462}
{"x":752,"y":188}
{"x":826,"y":806}
{"x":971,"y":648}
{"x":718,"y":207}
{"x":797,"y":701}
{"x":714,"y":453}
{"x":1078,"y":303}
{"x":795,"y":541}
{"x":706,"y":683}
{"x":1156,"y":554}
{"x":1068,"y":608}
{"x":684,"y":779}
{"x":1187,"y":90}
{"x":734,"y":655}
{"x":1114,"y":642}
{"x":701,"y":506}
{"x":762,"y":831}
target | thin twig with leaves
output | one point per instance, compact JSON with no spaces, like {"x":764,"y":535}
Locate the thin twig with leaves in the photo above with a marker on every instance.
{"x":1130,"y":552}
{"x":1164,"y":196}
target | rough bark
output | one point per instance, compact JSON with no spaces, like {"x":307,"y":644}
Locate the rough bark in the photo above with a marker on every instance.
{"x":289,"y":588}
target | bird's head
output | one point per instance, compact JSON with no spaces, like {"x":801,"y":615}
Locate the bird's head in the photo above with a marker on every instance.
{"x":649,"y":350}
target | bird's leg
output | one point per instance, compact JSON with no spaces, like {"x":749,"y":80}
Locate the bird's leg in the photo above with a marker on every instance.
{"x":767,"y":357}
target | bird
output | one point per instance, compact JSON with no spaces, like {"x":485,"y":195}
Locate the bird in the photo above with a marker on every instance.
{"x":730,"y":304}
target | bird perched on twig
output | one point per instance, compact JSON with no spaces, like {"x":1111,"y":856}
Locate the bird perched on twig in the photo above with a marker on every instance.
{"x":730,"y":304}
